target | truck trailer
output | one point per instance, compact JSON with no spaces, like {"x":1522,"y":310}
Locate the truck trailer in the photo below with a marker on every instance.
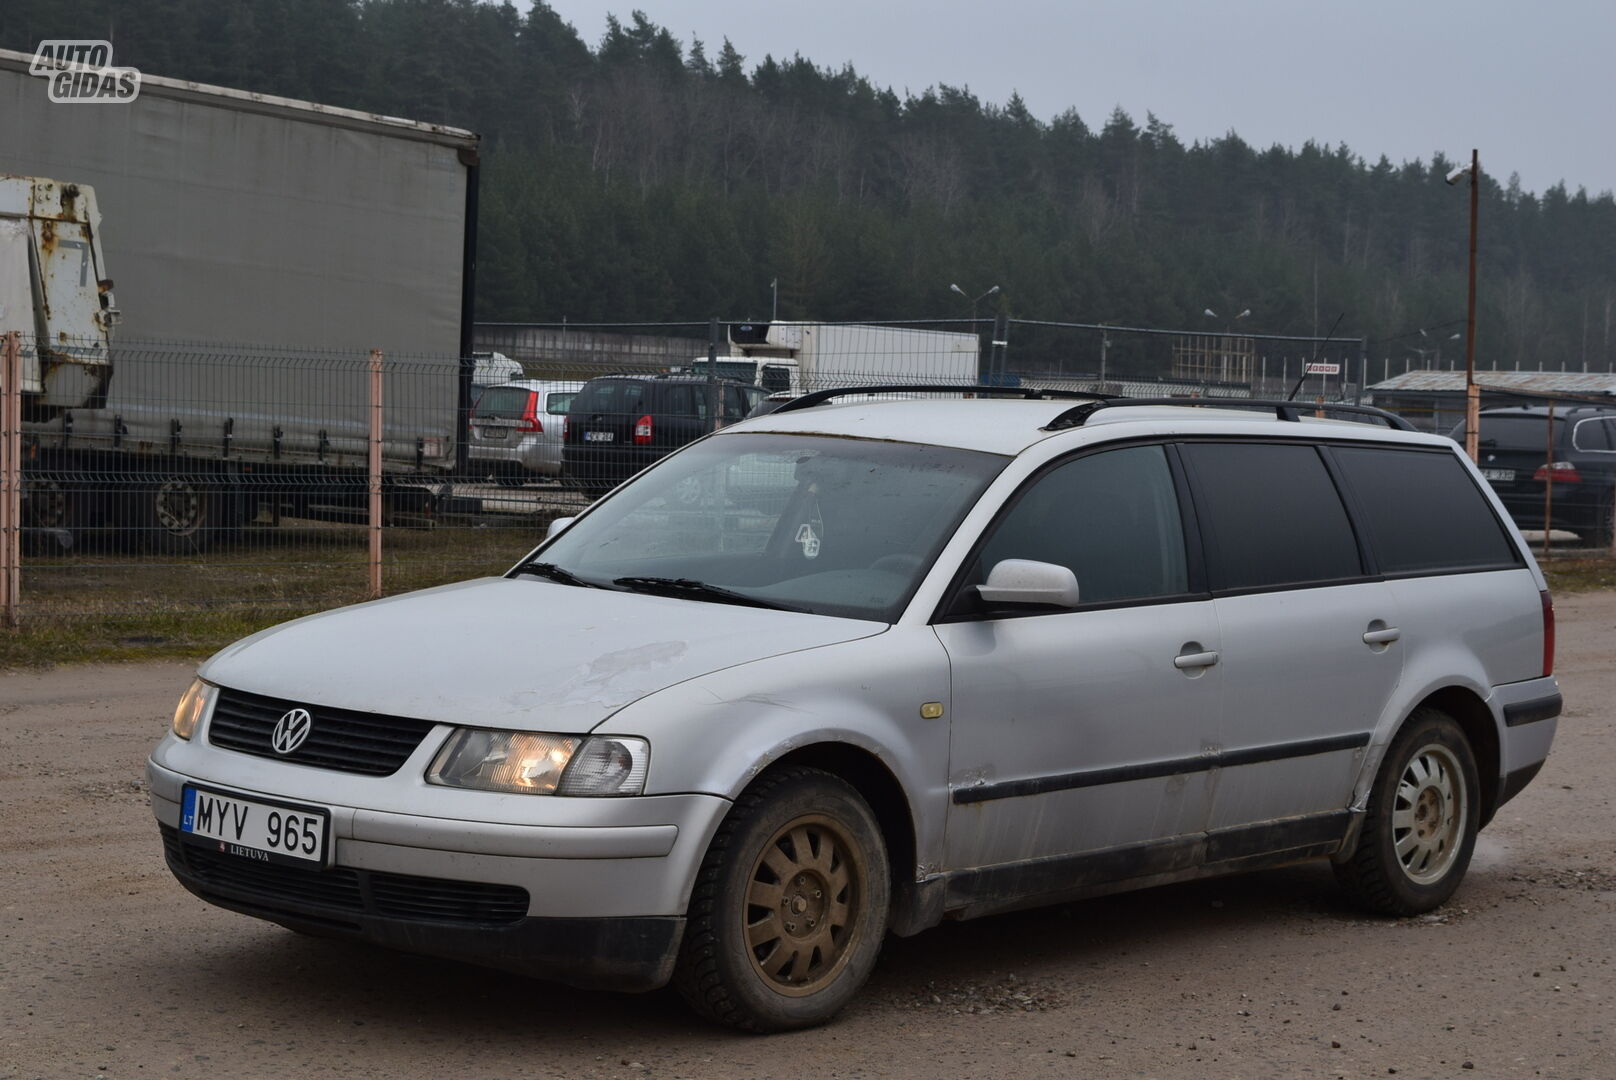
{"x":796,"y":357}
{"x":261,"y":247}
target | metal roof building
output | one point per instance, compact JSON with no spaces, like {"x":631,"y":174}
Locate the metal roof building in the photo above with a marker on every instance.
{"x":1434,"y":400}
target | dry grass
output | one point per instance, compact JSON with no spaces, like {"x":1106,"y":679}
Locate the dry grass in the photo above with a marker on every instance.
{"x":1581,"y":573}
{"x":91,"y":606}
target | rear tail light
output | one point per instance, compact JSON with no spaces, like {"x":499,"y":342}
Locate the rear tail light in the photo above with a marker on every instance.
{"x":1560,"y":472}
{"x":530,"y":415}
{"x":566,"y":427}
{"x":1548,"y":633}
{"x":642,"y":431}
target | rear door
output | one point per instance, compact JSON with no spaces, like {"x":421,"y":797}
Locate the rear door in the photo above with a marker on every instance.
{"x":498,"y":415}
{"x":1310,"y":656}
{"x":604,"y":412}
{"x":1511,"y":448}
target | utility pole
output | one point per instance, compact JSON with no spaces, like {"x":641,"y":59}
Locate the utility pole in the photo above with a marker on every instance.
{"x":1472,"y":391}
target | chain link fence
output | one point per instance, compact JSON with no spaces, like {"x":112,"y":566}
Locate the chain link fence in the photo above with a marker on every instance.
{"x":182,"y":477}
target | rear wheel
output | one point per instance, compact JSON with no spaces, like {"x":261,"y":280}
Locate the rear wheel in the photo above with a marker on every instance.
{"x":1420,"y":826}
{"x":789,"y":908}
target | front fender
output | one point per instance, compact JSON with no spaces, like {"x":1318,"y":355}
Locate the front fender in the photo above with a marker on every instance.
{"x":716,"y":733}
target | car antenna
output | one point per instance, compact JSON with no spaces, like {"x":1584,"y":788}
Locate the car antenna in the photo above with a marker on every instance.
{"x":1322,"y":342}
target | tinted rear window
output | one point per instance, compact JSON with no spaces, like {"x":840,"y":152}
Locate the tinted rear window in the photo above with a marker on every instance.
{"x":608,"y":396}
{"x":506,"y":401}
{"x":1513,"y":432}
{"x":1423,"y":511}
{"x":1270,"y":516}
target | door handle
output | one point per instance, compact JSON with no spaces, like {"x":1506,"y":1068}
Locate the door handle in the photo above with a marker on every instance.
{"x":1382,"y":637}
{"x":1184,"y":661}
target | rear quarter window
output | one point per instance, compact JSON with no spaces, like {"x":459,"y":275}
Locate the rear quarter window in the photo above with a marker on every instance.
{"x":1423,"y":512}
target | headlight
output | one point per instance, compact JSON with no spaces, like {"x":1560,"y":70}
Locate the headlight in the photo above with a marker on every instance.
{"x":530,"y":763}
{"x":188,"y":713}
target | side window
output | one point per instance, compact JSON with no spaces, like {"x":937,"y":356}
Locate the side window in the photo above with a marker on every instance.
{"x":557,"y":403}
{"x":1111,"y":517}
{"x":1423,"y":511}
{"x":1593,"y":434}
{"x":685,"y":401}
{"x":1270,"y":515}
{"x":735,"y":406}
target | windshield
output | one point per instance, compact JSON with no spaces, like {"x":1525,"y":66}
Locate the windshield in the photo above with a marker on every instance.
{"x":833,"y":526}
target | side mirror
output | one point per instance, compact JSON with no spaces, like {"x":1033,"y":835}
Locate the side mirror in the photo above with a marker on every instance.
{"x":1023,"y":581}
{"x":557,"y":525}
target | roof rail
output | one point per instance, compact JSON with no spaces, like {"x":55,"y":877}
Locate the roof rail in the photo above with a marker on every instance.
{"x":1283,"y":410}
{"x":1029,"y":393}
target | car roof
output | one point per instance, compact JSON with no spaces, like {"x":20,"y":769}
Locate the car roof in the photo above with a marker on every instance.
{"x":538,"y":384}
{"x":1561,"y":411}
{"x":1010,"y":425}
{"x":666,"y":380}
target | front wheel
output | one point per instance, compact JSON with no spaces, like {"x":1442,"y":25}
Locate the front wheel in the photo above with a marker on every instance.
{"x":1420,"y":827}
{"x":789,"y":908}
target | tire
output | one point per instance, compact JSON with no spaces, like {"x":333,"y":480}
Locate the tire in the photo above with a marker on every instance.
{"x":789,"y":908}
{"x":1420,"y":827}
{"x":177,"y":514}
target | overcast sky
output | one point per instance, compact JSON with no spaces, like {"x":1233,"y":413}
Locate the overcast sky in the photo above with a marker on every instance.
{"x":1532,"y":85}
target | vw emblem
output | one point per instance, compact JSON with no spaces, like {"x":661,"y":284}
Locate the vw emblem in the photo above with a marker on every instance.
{"x":290,"y":730}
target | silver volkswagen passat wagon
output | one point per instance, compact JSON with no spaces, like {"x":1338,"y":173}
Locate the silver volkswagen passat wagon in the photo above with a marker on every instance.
{"x":862,"y":665}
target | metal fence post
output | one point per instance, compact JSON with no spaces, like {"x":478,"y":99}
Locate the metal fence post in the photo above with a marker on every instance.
{"x":374,"y":469}
{"x":1472,"y":437}
{"x":714,"y":412}
{"x":10,"y":477}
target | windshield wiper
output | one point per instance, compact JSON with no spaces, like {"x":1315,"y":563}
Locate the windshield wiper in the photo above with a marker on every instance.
{"x":555,"y":573}
{"x":696,"y":590}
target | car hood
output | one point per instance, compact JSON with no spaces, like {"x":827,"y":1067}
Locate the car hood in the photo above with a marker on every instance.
{"x":512,"y":652}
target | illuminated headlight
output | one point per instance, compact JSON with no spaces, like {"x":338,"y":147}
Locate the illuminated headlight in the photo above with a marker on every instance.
{"x":530,"y":763}
{"x":188,"y":713}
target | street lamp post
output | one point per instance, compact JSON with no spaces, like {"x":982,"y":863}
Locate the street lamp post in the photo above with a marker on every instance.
{"x":1472,"y":391}
{"x":974,"y":302}
{"x":1223,"y":349}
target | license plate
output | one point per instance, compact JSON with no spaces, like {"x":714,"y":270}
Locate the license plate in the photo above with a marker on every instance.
{"x":254,"y":829}
{"x":493,"y":433}
{"x":1503,"y":475}
{"x":599,"y":436}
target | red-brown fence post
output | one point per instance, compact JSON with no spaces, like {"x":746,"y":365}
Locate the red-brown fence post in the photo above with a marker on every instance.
{"x":374,"y":590}
{"x":10,"y":477}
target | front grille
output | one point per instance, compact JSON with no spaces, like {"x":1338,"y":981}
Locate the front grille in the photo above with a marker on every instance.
{"x":341,"y":739}
{"x":331,"y":894}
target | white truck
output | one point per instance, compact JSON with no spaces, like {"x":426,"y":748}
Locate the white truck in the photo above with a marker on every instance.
{"x":171,"y":450}
{"x":798,"y":357}
{"x":54,"y":290}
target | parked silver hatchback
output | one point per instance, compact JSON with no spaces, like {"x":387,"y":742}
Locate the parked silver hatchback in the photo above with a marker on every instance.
{"x":857,"y":666}
{"x":516,"y":429}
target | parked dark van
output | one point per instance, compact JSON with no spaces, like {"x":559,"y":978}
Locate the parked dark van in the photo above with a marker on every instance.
{"x":1519,"y":459}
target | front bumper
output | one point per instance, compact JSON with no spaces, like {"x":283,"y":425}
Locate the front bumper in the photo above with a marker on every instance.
{"x":588,"y":892}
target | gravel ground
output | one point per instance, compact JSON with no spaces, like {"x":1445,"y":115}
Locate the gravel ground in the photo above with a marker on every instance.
{"x":109,"y":969}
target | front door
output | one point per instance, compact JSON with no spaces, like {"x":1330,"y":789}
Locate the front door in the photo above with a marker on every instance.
{"x":1084,"y":731}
